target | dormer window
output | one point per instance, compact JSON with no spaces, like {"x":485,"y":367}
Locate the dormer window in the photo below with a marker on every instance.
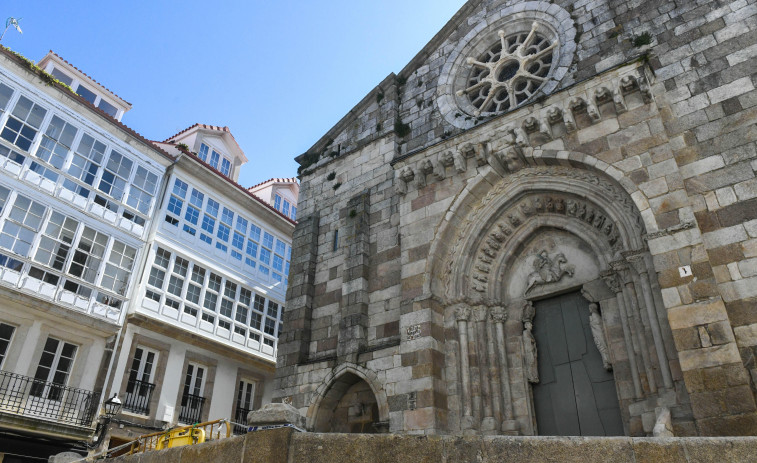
{"x":86,"y":94}
{"x":216,"y":161}
{"x":58,"y":74}
{"x":284,"y":206}
{"x":84,"y":86}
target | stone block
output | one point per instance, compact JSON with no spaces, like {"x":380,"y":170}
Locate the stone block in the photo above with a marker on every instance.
{"x":709,"y":357}
{"x":697,"y":314}
{"x":276,"y":413}
{"x":229,"y":449}
{"x":268,"y":446}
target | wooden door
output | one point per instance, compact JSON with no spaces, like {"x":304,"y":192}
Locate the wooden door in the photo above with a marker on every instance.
{"x":575,"y":395}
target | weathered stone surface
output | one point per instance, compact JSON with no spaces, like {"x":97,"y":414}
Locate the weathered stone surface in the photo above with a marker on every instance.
{"x":281,"y":446}
{"x":276,"y":413}
{"x":644,"y":183}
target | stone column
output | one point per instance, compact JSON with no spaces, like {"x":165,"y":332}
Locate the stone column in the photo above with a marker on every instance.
{"x":629,"y":294}
{"x":485,"y":346}
{"x":499,"y":317}
{"x":611,"y":280}
{"x":462,"y":314}
{"x":637,"y":260}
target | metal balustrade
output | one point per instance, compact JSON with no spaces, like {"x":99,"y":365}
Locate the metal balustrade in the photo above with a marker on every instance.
{"x":23,"y":395}
{"x":138,"y":395}
{"x":240,"y":420}
{"x":191,"y":408}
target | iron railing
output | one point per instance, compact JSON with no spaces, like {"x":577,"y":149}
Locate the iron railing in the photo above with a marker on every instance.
{"x":240,"y":420}
{"x":138,"y":395}
{"x":22,"y":395}
{"x":191,"y":408}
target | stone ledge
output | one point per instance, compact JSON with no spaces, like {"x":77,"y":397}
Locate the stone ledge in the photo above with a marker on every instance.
{"x":287,"y":446}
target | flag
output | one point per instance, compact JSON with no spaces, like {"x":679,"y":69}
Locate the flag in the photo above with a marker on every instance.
{"x":13,"y":22}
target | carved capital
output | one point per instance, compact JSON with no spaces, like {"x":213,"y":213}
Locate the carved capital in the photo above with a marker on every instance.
{"x":611,"y":280}
{"x":498,"y":314}
{"x":480,"y":313}
{"x":462,"y":312}
{"x":636,"y":260}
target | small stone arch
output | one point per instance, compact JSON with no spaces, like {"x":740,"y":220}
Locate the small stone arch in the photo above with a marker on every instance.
{"x":340,"y":383}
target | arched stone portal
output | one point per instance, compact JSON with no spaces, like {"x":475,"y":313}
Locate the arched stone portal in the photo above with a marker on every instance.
{"x":347,"y":402}
{"x":538,"y":233}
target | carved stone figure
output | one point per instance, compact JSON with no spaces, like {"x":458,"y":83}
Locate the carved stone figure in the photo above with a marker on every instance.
{"x":547,"y":270}
{"x":513,"y":160}
{"x":530,"y":354}
{"x":595,"y":322}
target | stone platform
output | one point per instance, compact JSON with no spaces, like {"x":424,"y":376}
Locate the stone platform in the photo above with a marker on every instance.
{"x":288,"y":446}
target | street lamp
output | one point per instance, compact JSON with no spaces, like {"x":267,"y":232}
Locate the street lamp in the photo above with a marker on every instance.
{"x":112,"y":406}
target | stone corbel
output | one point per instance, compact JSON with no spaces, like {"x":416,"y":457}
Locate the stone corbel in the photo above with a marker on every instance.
{"x":554,"y":115}
{"x":646,"y":92}
{"x":467,"y":150}
{"x":593,"y":112}
{"x":425,"y":168}
{"x":447,"y":159}
{"x":482,"y":153}
{"x":520,"y":137}
{"x":568,"y":119}
{"x":460,"y":164}
{"x":404,"y":176}
{"x":513,"y":159}
{"x":440,"y":170}
{"x":620,"y":102}
{"x":495,"y":159}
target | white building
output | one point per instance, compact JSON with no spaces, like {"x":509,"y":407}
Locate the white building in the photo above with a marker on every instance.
{"x":78,"y":191}
{"x":201,"y":335}
{"x":134,"y":267}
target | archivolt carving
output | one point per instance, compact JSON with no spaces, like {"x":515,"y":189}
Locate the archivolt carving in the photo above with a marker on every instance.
{"x":516,"y":216}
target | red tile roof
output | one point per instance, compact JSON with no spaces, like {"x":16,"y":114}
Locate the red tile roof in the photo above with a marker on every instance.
{"x":91,"y":78}
{"x":21,"y":61}
{"x":275,"y":180}
{"x":202,"y":126}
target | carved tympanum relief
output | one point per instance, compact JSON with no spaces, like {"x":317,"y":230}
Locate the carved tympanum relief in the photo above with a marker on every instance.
{"x":548,"y":269}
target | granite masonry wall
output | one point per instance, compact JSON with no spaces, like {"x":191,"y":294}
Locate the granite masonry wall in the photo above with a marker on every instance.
{"x":419,"y":221}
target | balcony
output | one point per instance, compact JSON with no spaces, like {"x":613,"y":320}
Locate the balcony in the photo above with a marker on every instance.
{"x":138,"y":395}
{"x":31,"y":398}
{"x":240,"y":421}
{"x":191,"y":408}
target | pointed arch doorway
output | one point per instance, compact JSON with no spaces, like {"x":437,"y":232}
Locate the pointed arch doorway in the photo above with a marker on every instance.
{"x":575,"y":395}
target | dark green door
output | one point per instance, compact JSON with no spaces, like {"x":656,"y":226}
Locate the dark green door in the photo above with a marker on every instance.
{"x":575,"y":395}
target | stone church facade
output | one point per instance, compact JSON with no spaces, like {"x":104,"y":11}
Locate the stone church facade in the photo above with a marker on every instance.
{"x":545,"y":224}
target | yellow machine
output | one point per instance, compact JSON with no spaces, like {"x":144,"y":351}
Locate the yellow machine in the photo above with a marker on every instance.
{"x":181,"y":437}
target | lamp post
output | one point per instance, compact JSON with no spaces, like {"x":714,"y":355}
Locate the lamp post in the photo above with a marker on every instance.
{"x":111,"y":407}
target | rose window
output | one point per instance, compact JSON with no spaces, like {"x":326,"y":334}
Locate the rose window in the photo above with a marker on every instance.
{"x":510,"y":72}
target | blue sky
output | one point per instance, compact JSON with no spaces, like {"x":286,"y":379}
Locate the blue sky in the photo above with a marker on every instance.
{"x":278,"y":73}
